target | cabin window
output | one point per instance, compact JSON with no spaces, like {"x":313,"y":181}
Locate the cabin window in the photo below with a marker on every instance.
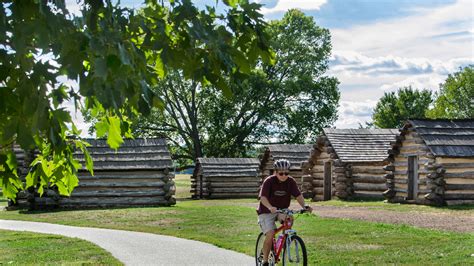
{"x":412,"y":177}
{"x":327,"y":180}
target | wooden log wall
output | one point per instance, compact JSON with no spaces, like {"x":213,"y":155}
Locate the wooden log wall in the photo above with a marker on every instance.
{"x":139,"y":173}
{"x":341,"y":179}
{"x":114,"y":189}
{"x":24,"y":159}
{"x":321,"y":154}
{"x":409,"y":144}
{"x":367,"y":180}
{"x":458,"y":176}
{"x":218,"y":178}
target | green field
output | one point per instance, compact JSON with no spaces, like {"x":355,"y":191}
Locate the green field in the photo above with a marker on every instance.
{"x":183,"y":187}
{"x":232,"y":225}
{"x":23,"y":248}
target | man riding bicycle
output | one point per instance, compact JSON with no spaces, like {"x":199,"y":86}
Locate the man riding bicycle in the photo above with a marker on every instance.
{"x":275,"y":194}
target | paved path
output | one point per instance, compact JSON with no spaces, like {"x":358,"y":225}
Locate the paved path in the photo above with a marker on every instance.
{"x":135,"y":248}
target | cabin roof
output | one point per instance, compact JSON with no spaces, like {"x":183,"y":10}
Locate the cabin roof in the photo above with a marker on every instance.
{"x":295,"y":153}
{"x":361,"y":145}
{"x":133,"y":154}
{"x":228,"y":167}
{"x":445,"y":138}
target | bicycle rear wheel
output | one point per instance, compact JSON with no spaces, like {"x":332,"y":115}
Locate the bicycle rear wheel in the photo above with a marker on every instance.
{"x":259,"y":252}
{"x":295,"y":252}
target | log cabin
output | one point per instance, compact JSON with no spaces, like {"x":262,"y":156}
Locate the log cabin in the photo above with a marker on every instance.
{"x":348,"y":163}
{"x":139,"y":173}
{"x":432,"y":163}
{"x":218,"y":178}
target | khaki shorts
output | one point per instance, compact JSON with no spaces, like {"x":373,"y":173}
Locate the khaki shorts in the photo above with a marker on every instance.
{"x":267,"y":221}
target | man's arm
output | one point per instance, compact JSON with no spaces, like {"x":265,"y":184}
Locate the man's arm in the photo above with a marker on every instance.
{"x":300,"y":200}
{"x":267,"y":204}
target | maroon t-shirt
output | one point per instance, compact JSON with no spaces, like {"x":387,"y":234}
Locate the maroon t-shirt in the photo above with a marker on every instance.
{"x":278,"y":193}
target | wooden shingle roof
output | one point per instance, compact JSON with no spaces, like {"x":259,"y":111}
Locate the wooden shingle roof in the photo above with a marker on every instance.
{"x":133,"y":154}
{"x":361,"y":145}
{"x":295,"y":153}
{"x":446,"y":138}
{"x":228,"y":167}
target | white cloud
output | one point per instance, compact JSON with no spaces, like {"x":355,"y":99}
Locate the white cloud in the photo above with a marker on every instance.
{"x":353,"y":113}
{"x":430,"y":82}
{"x":357,"y":64}
{"x":284,"y":5}
{"x":437,"y":33}
{"x":418,"y":50}
{"x":73,"y":7}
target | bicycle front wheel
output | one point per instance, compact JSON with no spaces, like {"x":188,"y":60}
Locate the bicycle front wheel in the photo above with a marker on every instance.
{"x":295,"y":252}
{"x":259,"y":252}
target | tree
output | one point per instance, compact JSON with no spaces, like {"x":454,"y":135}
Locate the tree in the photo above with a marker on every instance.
{"x":181,"y":121}
{"x":117,"y":56}
{"x":393,"y":109}
{"x":455,"y":98}
{"x":289,"y":101}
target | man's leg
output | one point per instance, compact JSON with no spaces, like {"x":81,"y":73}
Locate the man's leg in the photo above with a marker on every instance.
{"x":267,"y":224}
{"x":267,"y":245}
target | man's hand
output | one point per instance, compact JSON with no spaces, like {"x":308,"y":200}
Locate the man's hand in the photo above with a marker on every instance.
{"x":273,"y":209}
{"x":308,"y":208}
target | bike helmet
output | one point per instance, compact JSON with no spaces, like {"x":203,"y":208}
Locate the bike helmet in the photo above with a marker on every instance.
{"x":281,"y":164}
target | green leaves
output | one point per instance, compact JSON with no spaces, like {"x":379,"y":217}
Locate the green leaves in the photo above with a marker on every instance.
{"x":8,"y":173}
{"x":393,"y":110}
{"x":114,"y":137}
{"x":225,"y":115}
{"x":110,"y":126}
{"x":232,"y":3}
{"x":115,"y":55}
{"x":100,"y":66}
{"x":454,"y":100}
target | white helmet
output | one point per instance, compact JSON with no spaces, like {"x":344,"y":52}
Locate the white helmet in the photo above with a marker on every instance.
{"x":281,"y":164}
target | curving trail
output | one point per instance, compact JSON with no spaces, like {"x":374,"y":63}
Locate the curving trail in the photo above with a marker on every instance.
{"x":135,"y":248}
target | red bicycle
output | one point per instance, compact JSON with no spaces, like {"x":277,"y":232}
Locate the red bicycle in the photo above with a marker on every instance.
{"x":294,"y":250}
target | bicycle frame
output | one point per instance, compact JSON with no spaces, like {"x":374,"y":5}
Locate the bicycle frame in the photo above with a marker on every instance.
{"x":286,"y":229}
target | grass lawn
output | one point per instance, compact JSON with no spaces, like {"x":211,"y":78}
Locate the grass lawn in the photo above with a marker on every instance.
{"x":23,"y":248}
{"x":183,"y":186}
{"x":232,"y":225}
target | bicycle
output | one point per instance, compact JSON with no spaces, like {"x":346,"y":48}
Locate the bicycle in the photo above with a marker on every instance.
{"x":294,"y":250}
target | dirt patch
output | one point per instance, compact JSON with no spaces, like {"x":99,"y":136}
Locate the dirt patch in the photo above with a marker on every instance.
{"x":353,"y":247}
{"x":448,"y":221}
{"x":163,"y":222}
{"x":440,"y":221}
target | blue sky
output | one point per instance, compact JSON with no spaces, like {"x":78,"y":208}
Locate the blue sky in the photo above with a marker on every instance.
{"x":381,"y":45}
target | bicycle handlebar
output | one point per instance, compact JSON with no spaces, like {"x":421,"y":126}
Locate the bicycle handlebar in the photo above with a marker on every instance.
{"x":289,"y":211}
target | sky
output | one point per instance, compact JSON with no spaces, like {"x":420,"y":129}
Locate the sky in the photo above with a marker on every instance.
{"x":382,"y":45}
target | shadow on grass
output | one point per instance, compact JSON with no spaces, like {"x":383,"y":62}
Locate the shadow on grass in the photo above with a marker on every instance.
{"x":58,"y":209}
{"x":464,"y":207}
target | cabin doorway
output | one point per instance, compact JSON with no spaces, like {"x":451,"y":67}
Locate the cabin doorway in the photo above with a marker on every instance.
{"x":412,"y":177}
{"x":327,"y":181}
